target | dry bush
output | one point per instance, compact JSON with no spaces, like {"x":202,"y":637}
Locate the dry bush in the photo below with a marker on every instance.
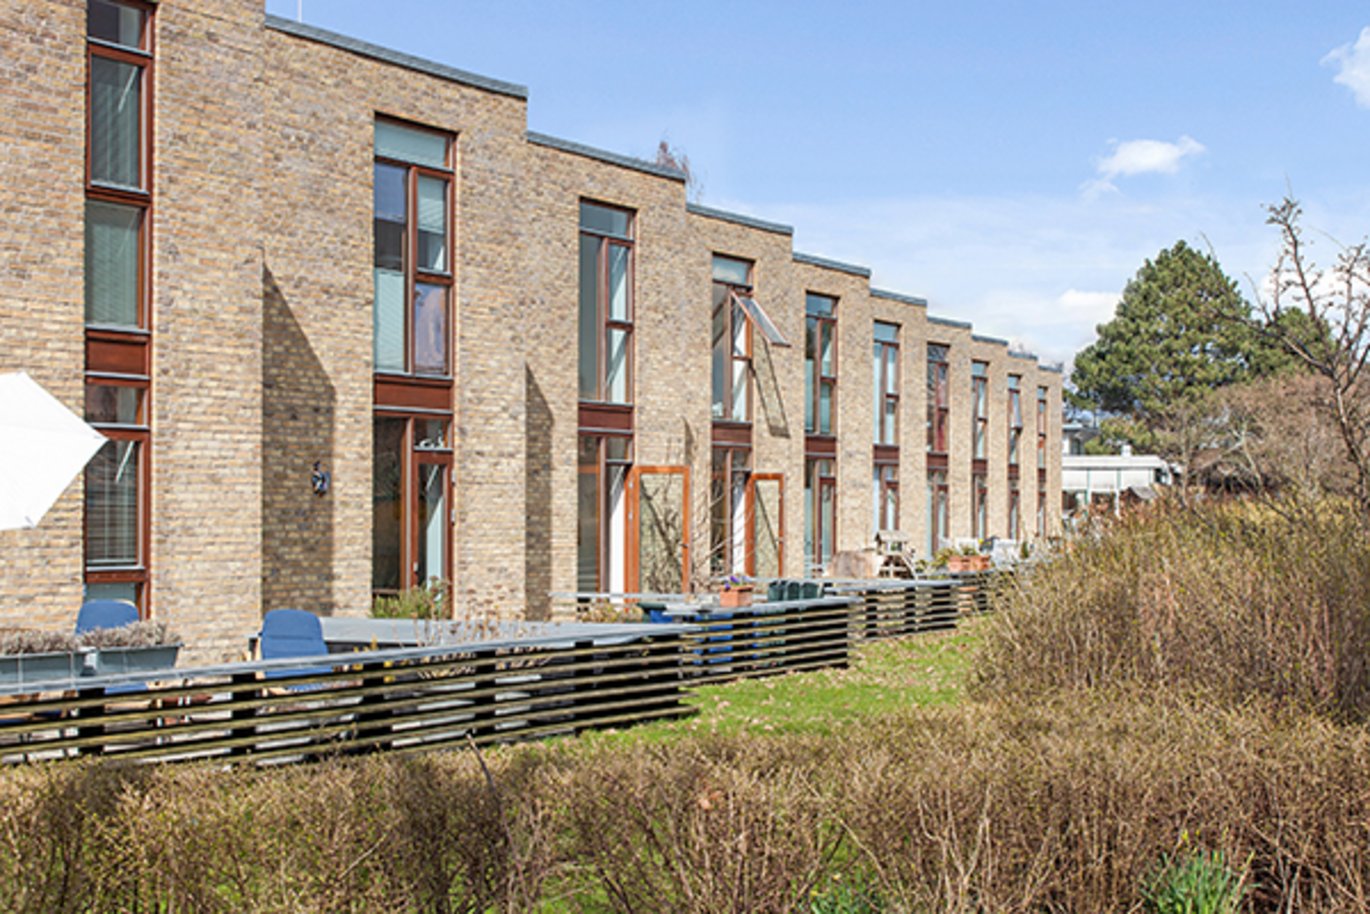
{"x":1234,"y":599}
{"x":726,"y":825}
{"x":1069,"y":804}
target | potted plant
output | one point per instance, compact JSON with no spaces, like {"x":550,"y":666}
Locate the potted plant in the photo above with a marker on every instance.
{"x":968,"y":559}
{"x":736,"y":592}
{"x":138,"y":648}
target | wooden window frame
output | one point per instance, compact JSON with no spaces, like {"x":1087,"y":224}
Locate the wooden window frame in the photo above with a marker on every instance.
{"x":939,"y":493}
{"x":938,"y":408}
{"x":1015,"y":509}
{"x":140,"y":198}
{"x":979,"y":393}
{"x":411,"y":459}
{"x":732,"y":312}
{"x":603,"y":534}
{"x":122,"y":356}
{"x":820,"y":482}
{"x":883,"y":351}
{"x":887,"y":487}
{"x":1015,"y":420}
{"x":1041,"y":429}
{"x":141,"y":434}
{"x":633,"y":490}
{"x":979,"y":505}
{"x":752,"y":479}
{"x":412,"y":274}
{"x":602,"y":319}
{"x":814,"y":324}
{"x":731,"y":454}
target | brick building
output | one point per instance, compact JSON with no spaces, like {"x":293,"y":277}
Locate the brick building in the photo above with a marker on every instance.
{"x":268,"y":260}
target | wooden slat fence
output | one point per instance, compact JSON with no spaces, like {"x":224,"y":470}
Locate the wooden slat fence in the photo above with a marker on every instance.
{"x":416,"y":699}
{"x":401,"y":700}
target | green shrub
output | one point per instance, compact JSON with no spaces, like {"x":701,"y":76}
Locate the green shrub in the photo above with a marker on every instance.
{"x":1194,"y":883}
{"x":427,"y":601}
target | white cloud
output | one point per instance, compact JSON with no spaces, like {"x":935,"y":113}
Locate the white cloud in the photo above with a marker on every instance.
{"x":1097,"y":306}
{"x":1353,"y":67}
{"x":1141,"y":157}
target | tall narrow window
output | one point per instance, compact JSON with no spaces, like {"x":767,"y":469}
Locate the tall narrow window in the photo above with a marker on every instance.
{"x":1041,"y":512}
{"x":820,"y":363}
{"x":938,"y":499}
{"x":729,"y":509}
{"x":885,"y":489}
{"x":979,"y":384}
{"x":118,"y":190}
{"x":606,"y":304}
{"x":979,"y":506}
{"x":1015,"y":418}
{"x":885,"y":369}
{"x":412,"y":266}
{"x":732,"y":340}
{"x":1014,"y":503}
{"x":820,"y":512}
{"x":602,"y":512}
{"x":937,"y":398}
{"x":1041,"y":429}
{"x":411,"y":512}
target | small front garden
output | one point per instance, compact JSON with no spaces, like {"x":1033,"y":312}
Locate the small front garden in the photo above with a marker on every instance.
{"x":1171,"y":716}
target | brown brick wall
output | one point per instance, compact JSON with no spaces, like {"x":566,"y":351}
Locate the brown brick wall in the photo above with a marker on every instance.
{"x":42,"y":199}
{"x":206,"y":323}
{"x":320,"y":115}
{"x":262,"y":320}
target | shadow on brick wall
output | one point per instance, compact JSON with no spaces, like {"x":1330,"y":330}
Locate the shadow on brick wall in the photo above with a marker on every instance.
{"x":298,"y":419}
{"x":769,"y":398}
{"x":537,"y":537}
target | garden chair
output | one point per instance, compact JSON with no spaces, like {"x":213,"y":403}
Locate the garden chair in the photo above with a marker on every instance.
{"x":97,"y":614}
{"x":292,"y":633}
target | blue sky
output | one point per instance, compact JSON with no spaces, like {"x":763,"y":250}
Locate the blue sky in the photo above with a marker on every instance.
{"x":1012,"y":162}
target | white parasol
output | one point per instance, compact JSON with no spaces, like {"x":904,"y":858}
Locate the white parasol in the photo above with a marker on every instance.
{"x":43,"y":445}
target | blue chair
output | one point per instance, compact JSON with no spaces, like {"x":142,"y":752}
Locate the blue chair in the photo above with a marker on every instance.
{"x":292,"y":633}
{"x":96,"y":614}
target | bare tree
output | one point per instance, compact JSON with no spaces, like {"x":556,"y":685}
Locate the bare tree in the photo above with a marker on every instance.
{"x":1322,"y":317}
{"x":672,"y":157}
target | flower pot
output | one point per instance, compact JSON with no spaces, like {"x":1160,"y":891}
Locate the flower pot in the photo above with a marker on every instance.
{"x":737,"y":596}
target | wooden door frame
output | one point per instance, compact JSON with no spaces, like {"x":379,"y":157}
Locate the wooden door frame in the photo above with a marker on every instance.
{"x":752,"y":480}
{"x":417,"y":459}
{"x":634,"y":538}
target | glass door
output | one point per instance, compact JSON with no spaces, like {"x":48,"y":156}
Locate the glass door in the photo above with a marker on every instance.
{"x":432,"y":520}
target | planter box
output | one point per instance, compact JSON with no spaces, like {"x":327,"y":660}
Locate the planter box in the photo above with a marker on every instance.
{"x":735,"y":598}
{"x":26,"y":668}
{"x":111,"y":661}
{"x":958,"y":563}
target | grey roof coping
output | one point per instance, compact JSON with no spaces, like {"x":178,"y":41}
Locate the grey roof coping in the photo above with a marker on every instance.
{"x":603,"y":155}
{"x":1026,"y":356}
{"x":398,"y":58}
{"x":1054,"y":369}
{"x":738,"y":219}
{"x":897,"y":296}
{"x":825,"y":263}
{"x":994,"y":340}
{"x":948,"y":322}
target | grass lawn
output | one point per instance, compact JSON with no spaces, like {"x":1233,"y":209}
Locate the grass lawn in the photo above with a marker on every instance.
{"x":885,"y":676}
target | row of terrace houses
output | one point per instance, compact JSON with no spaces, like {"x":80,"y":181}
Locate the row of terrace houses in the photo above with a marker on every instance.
{"x":350,"y":326}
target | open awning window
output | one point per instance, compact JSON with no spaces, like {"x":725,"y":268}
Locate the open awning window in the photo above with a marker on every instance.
{"x":760,"y":320}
